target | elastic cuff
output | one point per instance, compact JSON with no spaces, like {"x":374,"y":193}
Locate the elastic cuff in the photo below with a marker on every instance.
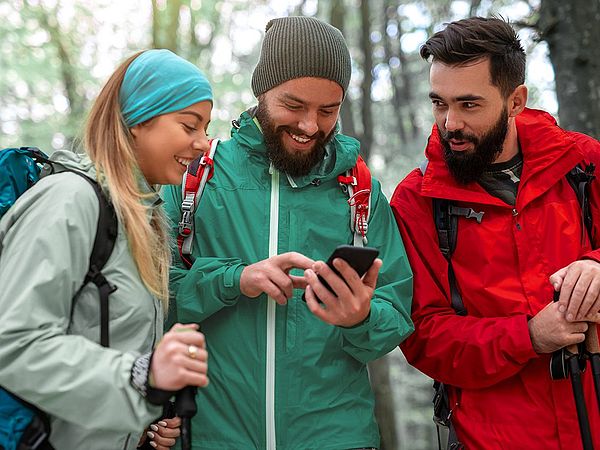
{"x":521,"y":338}
{"x":593,"y":255}
{"x":231,"y":283}
{"x":140,"y":381}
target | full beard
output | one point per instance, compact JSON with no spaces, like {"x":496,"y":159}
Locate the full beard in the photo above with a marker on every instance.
{"x":468,"y":166}
{"x":296,"y":164}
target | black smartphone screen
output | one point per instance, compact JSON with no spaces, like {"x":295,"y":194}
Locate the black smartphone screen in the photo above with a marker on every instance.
{"x":359,"y":258}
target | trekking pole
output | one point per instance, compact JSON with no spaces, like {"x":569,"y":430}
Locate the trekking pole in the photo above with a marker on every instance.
{"x":564,"y":363}
{"x":185,"y":407}
{"x":593,"y":350}
{"x":572,"y":355}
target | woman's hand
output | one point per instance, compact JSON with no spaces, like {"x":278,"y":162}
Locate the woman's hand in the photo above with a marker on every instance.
{"x":180,"y":359}
{"x":163,"y":434}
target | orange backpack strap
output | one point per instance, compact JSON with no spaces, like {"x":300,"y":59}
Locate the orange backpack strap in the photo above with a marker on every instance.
{"x":357,"y":183}
{"x":198,"y":173}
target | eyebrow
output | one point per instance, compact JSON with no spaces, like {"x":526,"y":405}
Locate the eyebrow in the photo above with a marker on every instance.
{"x":296,"y":99}
{"x":461,"y":98}
{"x":192,"y":113}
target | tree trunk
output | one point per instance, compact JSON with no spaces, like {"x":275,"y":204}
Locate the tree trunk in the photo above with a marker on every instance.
{"x":366,"y":140}
{"x":379,"y":372}
{"x":165,"y":25}
{"x":572,"y":33}
{"x":337,"y":17}
{"x":389,"y":15}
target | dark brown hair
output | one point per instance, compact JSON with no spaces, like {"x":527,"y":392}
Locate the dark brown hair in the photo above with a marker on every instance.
{"x":468,"y":40}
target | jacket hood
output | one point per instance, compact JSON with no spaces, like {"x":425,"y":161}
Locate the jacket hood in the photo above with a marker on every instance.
{"x":341,"y":152}
{"x":81,"y":162}
{"x":75,"y":161}
{"x":547,"y":150}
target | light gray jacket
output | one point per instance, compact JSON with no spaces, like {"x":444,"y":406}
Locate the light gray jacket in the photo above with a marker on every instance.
{"x":56,"y":363}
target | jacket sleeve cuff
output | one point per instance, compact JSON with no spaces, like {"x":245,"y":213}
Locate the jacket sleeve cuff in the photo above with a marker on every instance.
{"x":363,"y":327}
{"x":231,"y":284}
{"x":594,"y":255}
{"x":140,"y":380}
{"x":522,"y":344}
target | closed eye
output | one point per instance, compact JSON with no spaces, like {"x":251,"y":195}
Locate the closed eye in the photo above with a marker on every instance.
{"x":292,"y":107}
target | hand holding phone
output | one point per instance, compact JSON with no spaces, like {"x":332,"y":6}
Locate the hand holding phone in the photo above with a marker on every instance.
{"x":359,"y":258}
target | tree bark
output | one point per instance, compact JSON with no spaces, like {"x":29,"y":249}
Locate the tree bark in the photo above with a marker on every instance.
{"x":367,"y":51}
{"x":389,"y":16}
{"x":379,"y":372}
{"x":572,"y":33}
{"x":165,"y":25}
{"x":337,"y":18}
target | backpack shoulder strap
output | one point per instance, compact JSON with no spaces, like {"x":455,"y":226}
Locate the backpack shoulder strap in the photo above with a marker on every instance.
{"x":358,"y":184}
{"x":579,"y":179}
{"x":445,"y":217}
{"x":192,"y":187}
{"x":104,"y":242}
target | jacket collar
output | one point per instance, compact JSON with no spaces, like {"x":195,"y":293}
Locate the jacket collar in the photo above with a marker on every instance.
{"x":341,"y":152}
{"x":548,"y":154}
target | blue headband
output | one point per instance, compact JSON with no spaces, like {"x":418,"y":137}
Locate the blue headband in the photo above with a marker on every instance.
{"x":159,"y":82}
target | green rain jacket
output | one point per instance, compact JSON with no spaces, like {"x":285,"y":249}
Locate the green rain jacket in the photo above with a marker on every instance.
{"x":46,"y":239}
{"x":279,"y":376}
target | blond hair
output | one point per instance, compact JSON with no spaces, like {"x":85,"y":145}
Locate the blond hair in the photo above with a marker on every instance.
{"x":110,"y":146}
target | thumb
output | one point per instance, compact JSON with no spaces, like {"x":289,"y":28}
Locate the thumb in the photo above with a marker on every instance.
{"x":299,"y":282}
{"x":557,"y":278}
{"x":370,"y":278}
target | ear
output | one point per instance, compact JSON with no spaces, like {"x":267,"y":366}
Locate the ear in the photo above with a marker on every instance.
{"x":136,"y":129}
{"x":517,"y":100}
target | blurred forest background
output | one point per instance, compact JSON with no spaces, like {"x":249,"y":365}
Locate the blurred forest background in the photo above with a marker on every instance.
{"x":56,"y":54}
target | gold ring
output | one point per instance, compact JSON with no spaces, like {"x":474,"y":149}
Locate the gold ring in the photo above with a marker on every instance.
{"x":193,"y":351}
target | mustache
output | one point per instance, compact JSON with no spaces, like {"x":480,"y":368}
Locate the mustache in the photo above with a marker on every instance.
{"x":458,"y":135}
{"x":282,"y":128}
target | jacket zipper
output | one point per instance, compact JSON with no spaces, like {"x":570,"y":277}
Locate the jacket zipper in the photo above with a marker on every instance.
{"x":270,"y":369}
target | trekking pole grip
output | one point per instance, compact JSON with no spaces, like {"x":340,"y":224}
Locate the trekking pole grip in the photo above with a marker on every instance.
{"x":591,"y":338}
{"x":185,"y":407}
{"x":593,"y":348}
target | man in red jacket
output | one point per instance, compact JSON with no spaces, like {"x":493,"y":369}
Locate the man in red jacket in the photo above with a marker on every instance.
{"x":488,"y":152}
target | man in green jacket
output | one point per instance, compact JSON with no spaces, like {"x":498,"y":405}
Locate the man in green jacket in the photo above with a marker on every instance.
{"x":286,"y":373}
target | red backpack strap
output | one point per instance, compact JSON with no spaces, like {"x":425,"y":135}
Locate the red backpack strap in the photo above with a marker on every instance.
{"x":195,"y":178}
{"x":357,"y":182}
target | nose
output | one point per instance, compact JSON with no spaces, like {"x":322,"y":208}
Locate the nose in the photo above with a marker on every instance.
{"x":201,"y":144}
{"x":308,"y":124}
{"x":453,"y":121}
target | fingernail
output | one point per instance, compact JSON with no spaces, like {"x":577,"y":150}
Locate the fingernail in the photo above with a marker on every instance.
{"x":153,"y":427}
{"x":150,"y":434}
{"x":153,"y":444}
{"x":562,"y":308}
{"x":569,"y":316}
{"x":162,"y":423}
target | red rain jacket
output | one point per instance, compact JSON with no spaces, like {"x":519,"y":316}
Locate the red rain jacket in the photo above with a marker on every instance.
{"x":502,"y":391}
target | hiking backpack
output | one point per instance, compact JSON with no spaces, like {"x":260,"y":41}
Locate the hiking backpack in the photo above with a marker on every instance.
{"x":445,"y":217}
{"x":356,"y":182}
{"x":22,"y":425}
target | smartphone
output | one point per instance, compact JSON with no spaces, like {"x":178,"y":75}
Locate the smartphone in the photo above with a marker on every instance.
{"x":359,"y":258}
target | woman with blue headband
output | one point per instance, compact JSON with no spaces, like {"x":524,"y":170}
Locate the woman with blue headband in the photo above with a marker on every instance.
{"x":147,"y":124}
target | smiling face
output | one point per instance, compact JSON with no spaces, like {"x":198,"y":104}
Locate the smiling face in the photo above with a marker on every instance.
{"x":475,"y":122}
{"x":166,"y":144}
{"x":298,"y":118}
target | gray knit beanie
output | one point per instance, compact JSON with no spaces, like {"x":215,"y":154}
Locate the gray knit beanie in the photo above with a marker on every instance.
{"x":296,"y":47}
